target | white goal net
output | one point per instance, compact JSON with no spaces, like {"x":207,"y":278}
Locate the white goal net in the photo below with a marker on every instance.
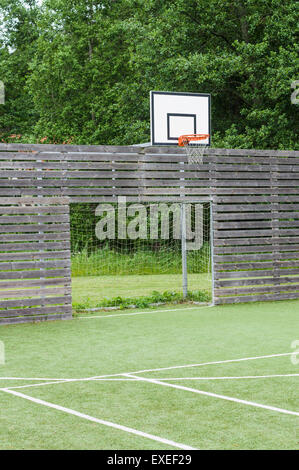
{"x":127,"y":254}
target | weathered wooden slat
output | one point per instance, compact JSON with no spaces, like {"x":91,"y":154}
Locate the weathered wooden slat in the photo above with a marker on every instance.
{"x":212,"y":156}
{"x":287,"y":250}
{"x":273,"y":255}
{"x":250,"y":290}
{"x":281,"y":162}
{"x":91,"y":165}
{"x":71,"y":156}
{"x":36,"y":318}
{"x":253,"y":273}
{"x":105,"y":183}
{"x":148,"y":172}
{"x":33,"y":219}
{"x":245,"y":165}
{"x":35,"y":274}
{"x":225,"y":170}
{"x":71,"y":148}
{"x":23,"y":210}
{"x":255,"y":282}
{"x":34,"y":302}
{"x":103,"y":199}
{"x":98,"y":192}
{"x":21,"y":247}
{"x":273,"y":264}
{"x":256,"y":298}
{"x":253,"y":233}
{"x":254,"y":216}
{"x":240,"y":208}
{"x":223,"y":242}
{"x":239,"y":267}
{"x":239,"y":225}
{"x":18,"y":237}
{"x":220,"y":151}
{"x":247,"y":175}
{"x":243,"y":191}
{"x":36,"y":264}
{"x":41,"y":201}
{"x":256,"y":224}
{"x":35,"y":311}
{"x":58,"y":291}
{"x":87,"y":165}
{"x":25,"y":283}
{"x":124,"y":174}
{"x":9,"y":256}
{"x":223,"y":183}
{"x":113,"y":191}
{"x":286,"y":223}
{"x":257,"y":199}
{"x":241,"y":233}
{"x":228,"y":168}
{"x":35,"y":228}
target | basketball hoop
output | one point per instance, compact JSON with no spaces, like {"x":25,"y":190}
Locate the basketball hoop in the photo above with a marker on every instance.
{"x":194,"y":149}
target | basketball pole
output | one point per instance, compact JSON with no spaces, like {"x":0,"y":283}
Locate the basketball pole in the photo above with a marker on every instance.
{"x":184,"y":250}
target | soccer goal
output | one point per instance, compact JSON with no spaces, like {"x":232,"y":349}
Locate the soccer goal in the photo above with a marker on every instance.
{"x":128,"y":254}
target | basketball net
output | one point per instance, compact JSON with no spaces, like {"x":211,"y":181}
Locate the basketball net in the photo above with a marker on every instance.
{"x":194,"y":149}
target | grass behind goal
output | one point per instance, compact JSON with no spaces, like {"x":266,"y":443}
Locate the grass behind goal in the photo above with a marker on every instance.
{"x":140,"y":265}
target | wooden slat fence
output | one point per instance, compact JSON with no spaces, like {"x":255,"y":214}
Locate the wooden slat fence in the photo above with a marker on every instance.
{"x":254,"y":194}
{"x":256,"y":228}
{"x":35,"y":282}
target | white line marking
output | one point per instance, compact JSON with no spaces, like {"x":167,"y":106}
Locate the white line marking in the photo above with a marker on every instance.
{"x":28,"y":378}
{"x":210,"y":363}
{"x":205,"y":378}
{"x":102,"y":421}
{"x":173,"y":379}
{"x":57,"y":381}
{"x":216,"y":395}
{"x":141,"y":313}
{"x":223,"y":378}
{"x":37,"y":385}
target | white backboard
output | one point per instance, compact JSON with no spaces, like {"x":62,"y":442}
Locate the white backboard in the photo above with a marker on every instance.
{"x":175,"y":114}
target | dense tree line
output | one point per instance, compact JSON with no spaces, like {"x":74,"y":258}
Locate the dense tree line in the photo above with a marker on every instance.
{"x":81,"y":70}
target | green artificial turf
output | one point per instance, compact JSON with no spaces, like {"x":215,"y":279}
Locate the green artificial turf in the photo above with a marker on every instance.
{"x":90,"y":346}
{"x":92,"y":289}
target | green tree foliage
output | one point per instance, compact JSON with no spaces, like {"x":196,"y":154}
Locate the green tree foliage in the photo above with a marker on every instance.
{"x":88,"y":67}
{"x":18,"y":26}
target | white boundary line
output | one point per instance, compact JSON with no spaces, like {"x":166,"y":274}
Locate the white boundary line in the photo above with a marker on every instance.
{"x":29,"y":378}
{"x":205,"y":378}
{"x":216,"y":395}
{"x":210,"y":363}
{"x":173,"y":379}
{"x":38,"y":384}
{"x":224,"y":378}
{"x":59,"y":381}
{"x":142,"y":313}
{"x":54,"y":381}
{"x":101,"y":421}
